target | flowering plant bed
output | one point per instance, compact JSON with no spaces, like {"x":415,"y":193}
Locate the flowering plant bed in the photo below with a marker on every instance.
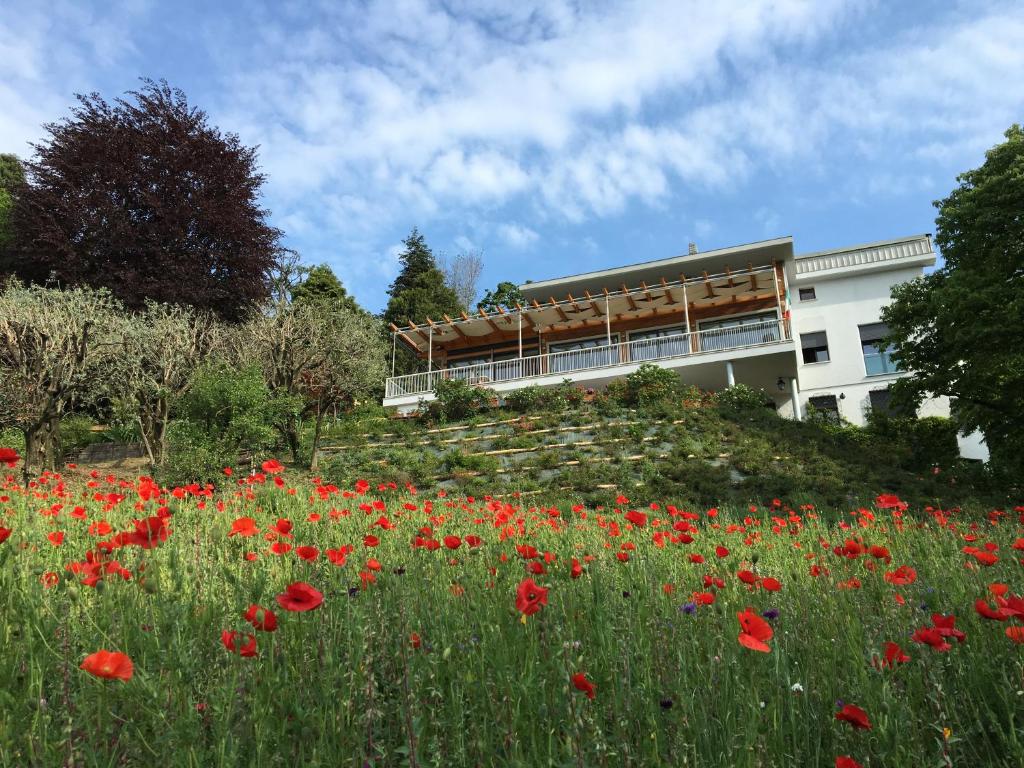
{"x":282,"y":618}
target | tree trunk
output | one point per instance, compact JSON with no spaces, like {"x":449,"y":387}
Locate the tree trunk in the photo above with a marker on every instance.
{"x":314,"y":459}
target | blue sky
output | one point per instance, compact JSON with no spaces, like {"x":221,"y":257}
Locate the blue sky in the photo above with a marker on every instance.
{"x":556,"y":137}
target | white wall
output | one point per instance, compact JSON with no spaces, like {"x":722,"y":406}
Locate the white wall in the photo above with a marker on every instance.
{"x":841,"y":305}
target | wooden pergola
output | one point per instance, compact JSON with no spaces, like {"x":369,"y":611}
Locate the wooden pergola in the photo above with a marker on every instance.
{"x":690,"y":298}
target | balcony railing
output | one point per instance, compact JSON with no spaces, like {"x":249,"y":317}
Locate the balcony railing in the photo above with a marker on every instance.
{"x":607,"y":356}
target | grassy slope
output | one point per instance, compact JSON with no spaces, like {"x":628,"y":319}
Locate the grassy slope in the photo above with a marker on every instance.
{"x":699,"y":456}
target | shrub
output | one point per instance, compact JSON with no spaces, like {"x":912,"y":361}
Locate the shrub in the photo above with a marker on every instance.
{"x":226,"y":411}
{"x":456,"y":399}
{"x":524,"y":400}
{"x":76,"y":432}
{"x":740,"y":398}
{"x":651,"y":384}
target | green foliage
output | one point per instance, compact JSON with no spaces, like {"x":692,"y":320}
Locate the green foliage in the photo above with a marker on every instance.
{"x":322,"y":286}
{"x":928,"y":442}
{"x":960,"y":329}
{"x":538,"y":399}
{"x":457,"y":399}
{"x":651,"y":384}
{"x":740,"y":398}
{"x":225,"y":412}
{"x":76,"y":432}
{"x":419,"y":290}
{"x":506,"y":295}
{"x":12,"y":177}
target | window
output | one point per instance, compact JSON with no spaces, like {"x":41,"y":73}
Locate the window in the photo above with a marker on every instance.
{"x":815,"y":347}
{"x":663,"y":342}
{"x":807,"y":294}
{"x":881,"y":401}
{"x":877,"y":359}
{"x":743,"y":331}
{"x":825,"y":407}
{"x":581,"y":354}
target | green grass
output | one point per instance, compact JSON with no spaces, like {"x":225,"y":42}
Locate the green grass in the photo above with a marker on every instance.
{"x":342,"y":685}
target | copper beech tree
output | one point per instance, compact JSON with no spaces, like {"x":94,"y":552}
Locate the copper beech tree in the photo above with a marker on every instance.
{"x":145,"y":197}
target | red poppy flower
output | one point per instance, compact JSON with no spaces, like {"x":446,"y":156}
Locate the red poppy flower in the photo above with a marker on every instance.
{"x":577,"y":569}
{"x":755,"y":631}
{"x":996,"y":614}
{"x":1016,"y":634}
{"x":272,"y":466}
{"x":530,"y":597}
{"x":230,"y":637}
{"x":580,"y":682}
{"x":772,"y":585}
{"x":307,"y":553}
{"x":944,"y":626}
{"x":111,"y":665}
{"x":901,"y":576}
{"x":890,"y":501}
{"x":721,"y":551}
{"x":261,"y":618}
{"x":9,"y":456}
{"x":747,"y":577}
{"x":244,"y":526}
{"x":893,"y":655}
{"x":930,"y":636}
{"x":639,"y":519}
{"x":336,"y":556}
{"x":300,"y":596}
{"x":855,"y":716}
{"x":56,"y":538}
{"x":5,"y":533}
{"x":452,"y":542}
{"x":370,"y":541}
{"x":414,"y":641}
{"x":844,"y":761}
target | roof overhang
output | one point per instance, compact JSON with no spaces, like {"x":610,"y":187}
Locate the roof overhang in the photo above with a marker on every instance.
{"x":661,"y":300}
{"x":675,"y":268}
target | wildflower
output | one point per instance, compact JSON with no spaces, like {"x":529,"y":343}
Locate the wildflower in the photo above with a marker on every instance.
{"x":755,"y":631}
{"x":10,"y":457}
{"x":300,"y":596}
{"x":261,"y":618}
{"x":111,"y":665}
{"x":580,"y":682}
{"x":855,"y":716}
{"x":530,"y":597}
{"x":229,"y":638}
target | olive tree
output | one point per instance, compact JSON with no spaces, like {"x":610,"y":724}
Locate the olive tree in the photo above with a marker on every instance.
{"x":54,"y":347}
{"x":160,"y":351}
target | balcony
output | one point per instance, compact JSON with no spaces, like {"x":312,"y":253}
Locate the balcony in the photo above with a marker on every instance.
{"x":664,"y":350}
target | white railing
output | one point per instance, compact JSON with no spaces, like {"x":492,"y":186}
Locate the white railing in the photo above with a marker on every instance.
{"x":907,"y":249}
{"x":555,"y":363}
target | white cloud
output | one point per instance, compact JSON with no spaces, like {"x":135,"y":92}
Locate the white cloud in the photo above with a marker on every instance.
{"x":506,"y":120}
{"x":517,"y":236}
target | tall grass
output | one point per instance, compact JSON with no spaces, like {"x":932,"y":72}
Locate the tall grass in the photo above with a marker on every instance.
{"x":344,"y":684}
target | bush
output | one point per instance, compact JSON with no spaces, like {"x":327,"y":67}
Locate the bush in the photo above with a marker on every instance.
{"x":455,"y":399}
{"x":740,"y":398}
{"x":929,"y":441}
{"x":76,"y":432}
{"x":524,"y":400}
{"x":225,"y":412}
{"x":651,"y":384}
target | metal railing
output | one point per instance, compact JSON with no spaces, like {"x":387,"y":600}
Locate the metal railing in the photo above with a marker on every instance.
{"x":554,"y":363}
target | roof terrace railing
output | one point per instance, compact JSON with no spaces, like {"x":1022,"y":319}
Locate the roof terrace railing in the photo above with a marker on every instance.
{"x":606,"y":356}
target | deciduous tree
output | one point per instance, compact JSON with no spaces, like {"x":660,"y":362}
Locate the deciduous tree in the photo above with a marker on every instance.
{"x":960,"y":329}
{"x":54,"y":345}
{"x":145,"y":197}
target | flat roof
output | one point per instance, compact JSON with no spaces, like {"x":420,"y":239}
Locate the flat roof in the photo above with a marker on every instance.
{"x":683,"y":261}
{"x":863,"y":246}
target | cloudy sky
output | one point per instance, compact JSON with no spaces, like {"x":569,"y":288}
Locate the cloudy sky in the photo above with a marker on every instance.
{"x":555,"y":136}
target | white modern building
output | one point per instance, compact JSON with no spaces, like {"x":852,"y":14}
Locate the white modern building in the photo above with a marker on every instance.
{"x":804,"y":328}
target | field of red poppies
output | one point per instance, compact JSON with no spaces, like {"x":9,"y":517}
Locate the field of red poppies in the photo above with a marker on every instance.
{"x":279,"y":621}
